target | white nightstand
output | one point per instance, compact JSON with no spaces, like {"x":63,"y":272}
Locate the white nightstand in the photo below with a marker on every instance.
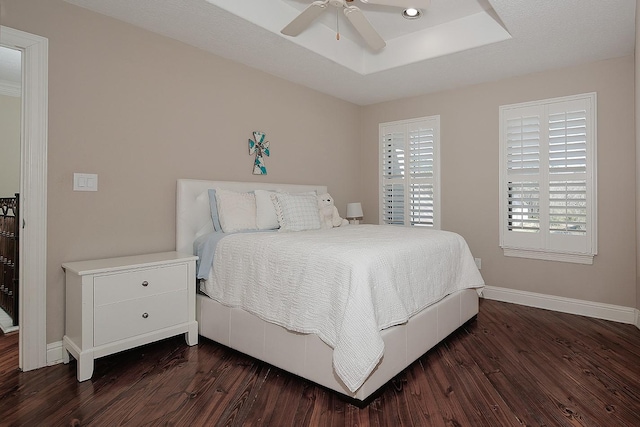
{"x":118,"y":303}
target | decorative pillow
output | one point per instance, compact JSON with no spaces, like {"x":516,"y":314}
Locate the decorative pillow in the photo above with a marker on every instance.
{"x":297,"y":212}
{"x":214,"y":210}
{"x":237,"y":211}
{"x":266,"y":217}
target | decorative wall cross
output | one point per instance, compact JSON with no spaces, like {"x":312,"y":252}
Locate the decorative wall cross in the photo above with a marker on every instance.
{"x":259,"y":147}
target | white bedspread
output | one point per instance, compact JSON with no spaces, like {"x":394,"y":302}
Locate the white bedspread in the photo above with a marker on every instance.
{"x":344,"y":284}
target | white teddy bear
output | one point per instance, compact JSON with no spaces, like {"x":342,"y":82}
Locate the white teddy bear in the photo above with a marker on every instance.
{"x":329,"y":216}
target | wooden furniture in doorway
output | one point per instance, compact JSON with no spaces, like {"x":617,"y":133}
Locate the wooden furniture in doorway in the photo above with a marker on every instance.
{"x":9,"y":233}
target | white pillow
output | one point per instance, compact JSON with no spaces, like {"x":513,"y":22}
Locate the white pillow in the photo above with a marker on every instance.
{"x":297,"y":212}
{"x":237,"y":211}
{"x":266,"y":217}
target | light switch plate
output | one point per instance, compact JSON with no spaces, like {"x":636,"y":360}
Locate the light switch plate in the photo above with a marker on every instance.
{"x":85,"y":182}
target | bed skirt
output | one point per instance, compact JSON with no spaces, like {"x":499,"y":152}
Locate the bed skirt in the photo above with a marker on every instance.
{"x":309,"y":357}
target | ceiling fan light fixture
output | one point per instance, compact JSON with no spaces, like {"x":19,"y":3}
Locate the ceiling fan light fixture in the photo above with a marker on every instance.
{"x":411,"y":13}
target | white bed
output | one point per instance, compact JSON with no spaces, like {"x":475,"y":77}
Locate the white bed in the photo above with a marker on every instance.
{"x":307,"y":355}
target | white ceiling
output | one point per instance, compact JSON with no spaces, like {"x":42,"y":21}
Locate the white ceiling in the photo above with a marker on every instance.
{"x":456,"y":43}
{"x":446,"y":27}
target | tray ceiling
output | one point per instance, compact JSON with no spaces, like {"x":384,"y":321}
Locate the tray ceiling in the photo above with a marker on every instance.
{"x":455,"y":43}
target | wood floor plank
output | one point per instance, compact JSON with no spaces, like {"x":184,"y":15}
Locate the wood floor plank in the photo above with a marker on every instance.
{"x":422,"y":396}
{"x":549,"y":359}
{"x":500,"y":351}
{"x":322,"y":407}
{"x":211,"y":363}
{"x":447,"y":397}
{"x":487,"y":406}
{"x":306,"y":404}
{"x":512,"y":366}
{"x":8,"y":355}
{"x":413,"y":396}
{"x":281,"y":390}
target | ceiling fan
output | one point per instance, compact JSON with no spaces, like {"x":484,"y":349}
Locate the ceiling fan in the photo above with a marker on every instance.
{"x":353,"y":14}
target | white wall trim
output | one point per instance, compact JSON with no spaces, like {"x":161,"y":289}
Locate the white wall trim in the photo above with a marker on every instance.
{"x":549,"y":255}
{"x":597,"y":310}
{"x":33,"y":196}
{"x":55,"y":349}
{"x":54,"y":353}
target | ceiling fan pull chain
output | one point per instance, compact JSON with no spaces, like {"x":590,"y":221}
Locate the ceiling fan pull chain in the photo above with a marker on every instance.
{"x":337,"y":25}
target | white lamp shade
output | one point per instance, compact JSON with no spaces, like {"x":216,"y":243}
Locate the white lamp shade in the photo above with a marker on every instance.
{"x":354,"y":210}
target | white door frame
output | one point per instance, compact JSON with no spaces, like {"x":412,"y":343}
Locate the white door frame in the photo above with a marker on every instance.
{"x":33,"y":196}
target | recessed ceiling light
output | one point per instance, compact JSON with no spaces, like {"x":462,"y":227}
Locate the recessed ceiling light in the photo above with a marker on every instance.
{"x":411,"y":13}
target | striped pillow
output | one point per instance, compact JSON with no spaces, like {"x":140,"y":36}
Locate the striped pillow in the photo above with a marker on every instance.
{"x":297,"y":212}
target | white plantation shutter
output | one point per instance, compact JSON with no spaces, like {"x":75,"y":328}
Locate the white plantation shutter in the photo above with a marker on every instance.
{"x":409,"y":172}
{"x":568,"y":142}
{"x":393,"y":167}
{"x":568,"y":171}
{"x":548,"y":199}
{"x":524,"y":206}
{"x":421,"y":208}
{"x":568,"y":207}
{"x":421,"y":147}
{"x":393,"y":148}
{"x":393,"y":204}
{"x":522,"y":129}
{"x":523,"y":144}
{"x":523,"y":171}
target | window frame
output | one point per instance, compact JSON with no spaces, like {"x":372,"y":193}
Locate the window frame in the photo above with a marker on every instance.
{"x":545,"y":244}
{"x":429,"y":122}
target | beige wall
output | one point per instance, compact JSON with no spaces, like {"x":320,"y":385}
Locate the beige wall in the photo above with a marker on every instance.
{"x":141,"y":111}
{"x":469,"y":129}
{"x":10,"y":107}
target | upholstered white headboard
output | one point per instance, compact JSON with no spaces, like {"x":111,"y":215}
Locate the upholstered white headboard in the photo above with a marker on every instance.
{"x":193,"y":214}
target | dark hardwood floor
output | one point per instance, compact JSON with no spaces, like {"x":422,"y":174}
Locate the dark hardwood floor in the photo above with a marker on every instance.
{"x":511,"y":366}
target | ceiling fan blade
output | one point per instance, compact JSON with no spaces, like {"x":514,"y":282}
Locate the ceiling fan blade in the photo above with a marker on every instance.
{"x":364,"y":27}
{"x":302,"y":21}
{"x":418,"y":4}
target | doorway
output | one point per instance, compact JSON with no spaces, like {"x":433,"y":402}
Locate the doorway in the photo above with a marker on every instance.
{"x":10,"y":141}
{"x":33,"y":196}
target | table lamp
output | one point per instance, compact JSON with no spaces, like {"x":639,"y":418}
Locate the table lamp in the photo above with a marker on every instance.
{"x":354,"y":212}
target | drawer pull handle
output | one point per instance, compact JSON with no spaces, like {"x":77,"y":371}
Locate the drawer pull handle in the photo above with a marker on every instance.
{"x":145,"y":283}
{"x":145,"y":315}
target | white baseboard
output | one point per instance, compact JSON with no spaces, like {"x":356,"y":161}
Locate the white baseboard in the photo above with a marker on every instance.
{"x":615,"y":313}
{"x":6,"y":322}
{"x":54,"y":353}
{"x":597,"y":310}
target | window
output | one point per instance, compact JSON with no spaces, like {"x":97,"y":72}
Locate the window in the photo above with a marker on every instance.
{"x":548,"y":179}
{"x":410,"y":172}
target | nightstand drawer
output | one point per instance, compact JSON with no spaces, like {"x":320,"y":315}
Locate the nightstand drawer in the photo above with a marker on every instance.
{"x":134,"y":317}
{"x":112,"y":288}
